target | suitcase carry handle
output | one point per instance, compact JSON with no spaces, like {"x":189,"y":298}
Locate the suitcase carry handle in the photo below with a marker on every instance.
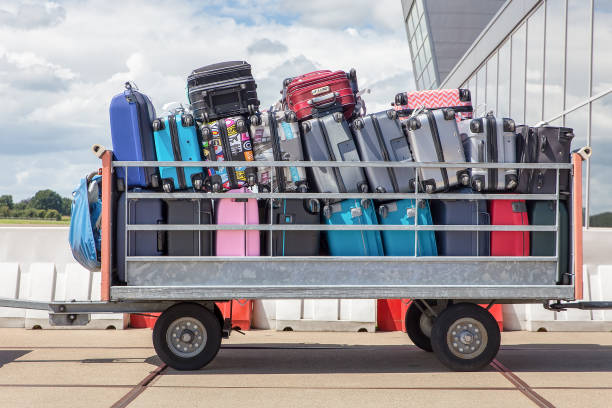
{"x":324,"y":101}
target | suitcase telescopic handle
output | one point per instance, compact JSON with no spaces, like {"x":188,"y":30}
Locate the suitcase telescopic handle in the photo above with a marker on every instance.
{"x":324,"y":101}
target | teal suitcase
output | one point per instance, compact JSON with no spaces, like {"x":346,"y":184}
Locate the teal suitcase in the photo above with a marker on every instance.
{"x":352,"y":243}
{"x":544,"y":243}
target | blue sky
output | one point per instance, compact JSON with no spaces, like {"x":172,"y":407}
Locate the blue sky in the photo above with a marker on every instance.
{"x":62,"y":61}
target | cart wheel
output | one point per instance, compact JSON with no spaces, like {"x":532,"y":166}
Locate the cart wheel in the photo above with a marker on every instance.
{"x":418,"y":327}
{"x":465,"y":337}
{"x":187,"y":336}
{"x":168,"y":186}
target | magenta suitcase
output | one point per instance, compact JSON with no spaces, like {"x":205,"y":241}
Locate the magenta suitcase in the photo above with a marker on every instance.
{"x":237,"y":211}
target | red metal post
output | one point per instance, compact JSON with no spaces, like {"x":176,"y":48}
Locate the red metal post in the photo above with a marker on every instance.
{"x":106,"y":233}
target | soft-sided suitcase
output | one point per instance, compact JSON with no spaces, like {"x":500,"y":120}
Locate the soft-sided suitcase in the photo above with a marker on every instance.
{"x":461,"y":212}
{"x":292,"y":243}
{"x":490,"y":140}
{"x":189,"y":212}
{"x":131,"y":114}
{"x":544,"y":243}
{"x":276,"y":137}
{"x":401,"y":243}
{"x":458,"y":99}
{"x":434,"y":137}
{"x":139,"y":243}
{"x":176,"y":140}
{"x":352,"y":243}
{"x":221,"y":90}
{"x":237,"y":211}
{"x":545,"y":144}
{"x":329,"y":139}
{"x":379,"y":137}
{"x":322,"y":88}
{"x":228,"y":140}
{"x":509,"y":243}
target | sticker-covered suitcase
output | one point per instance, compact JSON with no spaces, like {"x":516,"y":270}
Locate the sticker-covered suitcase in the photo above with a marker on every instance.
{"x":131,"y":115}
{"x":490,"y":140}
{"x":434,"y":137}
{"x":402,"y":243}
{"x":459,"y":100}
{"x":276,"y":137}
{"x":379,"y":137}
{"x":176,"y":140}
{"x":228,"y":139}
{"x":352,"y":243}
{"x":237,"y":211}
{"x":189,"y":212}
{"x":292,"y":243}
{"x":329,"y":138}
{"x":509,"y":243}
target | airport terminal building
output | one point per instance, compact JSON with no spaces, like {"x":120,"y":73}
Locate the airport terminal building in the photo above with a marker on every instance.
{"x":531,"y":60}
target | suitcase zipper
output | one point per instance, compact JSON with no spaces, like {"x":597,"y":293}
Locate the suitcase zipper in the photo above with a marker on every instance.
{"x":332,"y":157}
{"x":385,"y":153}
{"x":437,"y":145}
{"x":492,"y":150}
{"x":176,"y":151}
{"x":280,"y":179}
{"x":227,"y":152}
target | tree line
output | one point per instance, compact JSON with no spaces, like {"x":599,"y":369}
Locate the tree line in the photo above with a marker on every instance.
{"x":45,"y":204}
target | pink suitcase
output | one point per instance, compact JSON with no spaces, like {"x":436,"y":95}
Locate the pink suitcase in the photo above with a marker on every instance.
{"x":237,"y":211}
{"x":460,"y":100}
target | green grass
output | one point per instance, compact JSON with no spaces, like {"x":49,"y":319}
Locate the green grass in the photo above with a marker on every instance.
{"x":38,"y":221}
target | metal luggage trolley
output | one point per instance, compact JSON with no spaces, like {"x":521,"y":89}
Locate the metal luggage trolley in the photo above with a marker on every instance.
{"x":445,"y":317}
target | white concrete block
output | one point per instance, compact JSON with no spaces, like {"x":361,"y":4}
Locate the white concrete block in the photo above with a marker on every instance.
{"x":326,"y":310}
{"x":264,"y":314}
{"x":40,"y":287}
{"x":308,"y":306}
{"x":514,"y":316}
{"x":289,"y":309}
{"x":358,"y":310}
{"x":9,"y":289}
{"x":78,"y":282}
{"x":104,"y":320}
{"x":604,"y":273}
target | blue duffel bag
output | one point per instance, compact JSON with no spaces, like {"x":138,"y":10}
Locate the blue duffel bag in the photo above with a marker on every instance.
{"x":84,"y":237}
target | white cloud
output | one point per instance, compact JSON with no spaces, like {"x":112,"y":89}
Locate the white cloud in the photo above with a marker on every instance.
{"x":32,"y":14}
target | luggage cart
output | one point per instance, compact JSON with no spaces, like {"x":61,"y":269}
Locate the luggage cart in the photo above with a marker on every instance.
{"x":444,"y":317}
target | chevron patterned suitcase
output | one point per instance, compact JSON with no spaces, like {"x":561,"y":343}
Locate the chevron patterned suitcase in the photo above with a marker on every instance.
{"x":459,"y":100}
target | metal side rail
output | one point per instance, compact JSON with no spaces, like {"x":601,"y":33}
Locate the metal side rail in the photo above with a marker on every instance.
{"x":585,"y":305}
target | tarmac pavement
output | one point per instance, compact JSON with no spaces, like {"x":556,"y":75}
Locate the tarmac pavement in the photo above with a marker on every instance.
{"x":63,"y":368}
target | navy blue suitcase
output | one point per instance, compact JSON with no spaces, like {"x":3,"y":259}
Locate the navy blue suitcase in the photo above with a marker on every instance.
{"x":462,"y":212}
{"x":131,"y":117}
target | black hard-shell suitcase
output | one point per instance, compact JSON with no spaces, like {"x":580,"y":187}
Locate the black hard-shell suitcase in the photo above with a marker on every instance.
{"x":139,"y":243}
{"x":462,"y":212}
{"x":292,"y":243}
{"x":379,"y":137}
{"x":545,"y":144}
{"x":223,"y":89}
{"x":190,"y":212}
{"x":328,"y":138}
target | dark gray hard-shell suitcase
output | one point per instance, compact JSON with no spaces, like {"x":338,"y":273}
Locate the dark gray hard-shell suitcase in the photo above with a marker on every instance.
{"x":292,"y":243}
{"x":139,"y":243}
{"x":190,"y":212}
{"x":379,"y":137}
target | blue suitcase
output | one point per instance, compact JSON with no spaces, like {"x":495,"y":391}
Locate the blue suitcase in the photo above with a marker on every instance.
{"x":462,"y":212}
{"x":401,"y":243}
{"x":131,"y":114}
{"x":352,"y":243}
{"x":176,"y":140}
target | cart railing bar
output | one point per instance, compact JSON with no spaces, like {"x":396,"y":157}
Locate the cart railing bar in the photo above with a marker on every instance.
{"x":377,"y":259}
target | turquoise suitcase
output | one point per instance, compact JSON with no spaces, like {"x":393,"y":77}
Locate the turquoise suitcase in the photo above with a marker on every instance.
{"x":401,"y":243}
{"x":352,"y":243}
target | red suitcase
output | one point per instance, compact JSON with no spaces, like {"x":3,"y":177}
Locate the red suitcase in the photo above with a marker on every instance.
{"x":509,"y":243}
{"x":458,"y":99}
{"x":321,"y":89}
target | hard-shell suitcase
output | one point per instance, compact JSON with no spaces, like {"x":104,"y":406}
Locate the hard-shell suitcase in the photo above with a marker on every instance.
{"x":228,"y":140}
{"x":545,"y":144}
{"x":461,"y":212}
{"x":329,"y":139}
{"x":458,"y":99}
{"x":434,"y":137}
{"x":237,"y":211}
{"x":490,"y":140}
{"x":276,"y":137}
{"x":321,"y":88}
{"x":544,"y":243}
{"x":352,"y":243}
{"x":189,"y":212}
{"x":139,"y":243}
{"x":292,"y":243}
{"x":131,"y":114}
{"x":221,"y":90}
{"x":509,"y":243}
{"x":176,"y":140}
{"x":401,"y":243}
{"x":379,"y":137}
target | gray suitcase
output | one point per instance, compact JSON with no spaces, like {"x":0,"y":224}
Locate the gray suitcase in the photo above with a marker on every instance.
{"x":434,"y":137}
{"x":276,"y":137}
{"x":379,"y":137}
{"x":328,"y":138}
{"x":490,"y":140}
{"x":189,"y":212}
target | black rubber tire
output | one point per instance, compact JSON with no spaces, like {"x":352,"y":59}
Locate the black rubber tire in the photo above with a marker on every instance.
{"x":213,"y":332}
{"x":447,"y":319}
{"x":413,"y":328}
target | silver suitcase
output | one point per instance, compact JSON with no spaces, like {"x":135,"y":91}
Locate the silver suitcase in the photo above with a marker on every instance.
{"x":434,"y":137}
{"x":490,"y":140}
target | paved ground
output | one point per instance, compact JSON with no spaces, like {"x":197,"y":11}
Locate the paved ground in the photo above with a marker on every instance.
{"x":57,"y":368}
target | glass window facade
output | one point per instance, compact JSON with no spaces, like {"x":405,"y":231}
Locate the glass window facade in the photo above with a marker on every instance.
{"x":421,"y":47}
{"x":556,"y":66}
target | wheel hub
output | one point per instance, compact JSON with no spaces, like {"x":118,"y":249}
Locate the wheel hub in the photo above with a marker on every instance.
{"x":467,"y":338}
{"x":186,"y":337}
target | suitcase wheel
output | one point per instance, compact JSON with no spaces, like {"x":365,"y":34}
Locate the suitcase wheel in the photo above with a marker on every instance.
{"x":338,"y":117}
{"x":197,"y":181}
{"x":464,"y":179}
{"x":429,"y":188}
{"x":216,"y":187}
{"x":363,"y":187}
{"x":256,"y":120}
{"x":252,"y":180}
{"x":511,"y":182}
{"x":302,"y":188}
{"x":187,"y":120}
{"x":241,"y":126}
{"x":509,"y":125}
{"x":353,"y":74}
{"x":326,"y":211}
{"x":158,"y":125}
{"x":287,"y":81}
{"x":476,"y":126}
{"x":306,"y":127}
{"x":381,"y":189}
{"x":290,"y":116}
{"x":449,"y":114}
{"x":383,"y":211}
{"x":365,"y":203}
{"x":168,"y":186}
{"x":477,"y":185}
{"x":392,"y":114}
{"x":358,"y":124}
{"x":401,"y":99}
{"x":414,"y":124}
